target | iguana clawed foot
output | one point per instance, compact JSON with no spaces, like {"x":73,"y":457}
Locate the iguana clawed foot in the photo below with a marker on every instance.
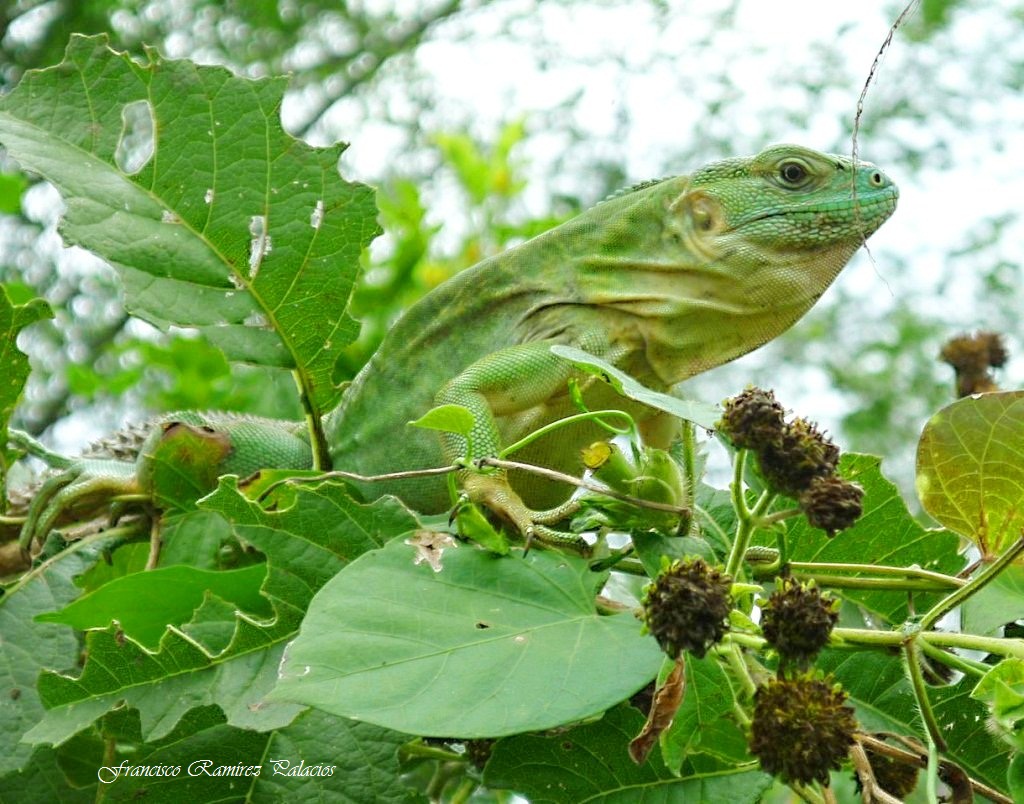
{"x":494,"y":493}
{"x":85,"y":488}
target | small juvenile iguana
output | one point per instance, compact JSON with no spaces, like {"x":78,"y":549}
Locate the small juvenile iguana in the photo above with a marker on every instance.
{"x":663,"y":281}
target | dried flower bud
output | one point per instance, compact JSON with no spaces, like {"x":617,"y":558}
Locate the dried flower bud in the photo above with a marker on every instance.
{"x":797,"y":620}
{"x":801,"y":730}
{"x":687,"y":606}
{"x":972,"y":357}
{"x":802,"y":454}
{"x":752,"y":419}
{"x":832,"y":503}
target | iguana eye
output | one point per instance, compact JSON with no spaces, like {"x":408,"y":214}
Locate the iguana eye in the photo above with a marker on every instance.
{"x":792,"y":172}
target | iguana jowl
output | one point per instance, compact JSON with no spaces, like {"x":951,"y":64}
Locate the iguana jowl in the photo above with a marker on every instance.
{"x":664,"y":281}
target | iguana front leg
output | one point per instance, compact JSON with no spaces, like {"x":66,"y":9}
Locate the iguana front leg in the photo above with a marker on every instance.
{"x":505,"y":383}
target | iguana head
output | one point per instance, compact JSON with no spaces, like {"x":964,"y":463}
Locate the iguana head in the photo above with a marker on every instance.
{"x":787,"y":199}
{"x":710,"y":266}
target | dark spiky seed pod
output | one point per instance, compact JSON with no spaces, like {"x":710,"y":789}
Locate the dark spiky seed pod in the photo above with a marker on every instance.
{"x":797,"y":620}
{"x":687,"y":607}
{"x":832,"y":503}
{"x":478,"y":752}
{"x":896,"y":778}
{"x":752,"y":419}
{"x":801,"y":730}
{"x":975,"y":353}
{"x":801,"y":454}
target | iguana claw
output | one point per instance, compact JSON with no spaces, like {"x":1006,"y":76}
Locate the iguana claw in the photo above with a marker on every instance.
{"x":86,"y":488}
{"x":494,"y":493}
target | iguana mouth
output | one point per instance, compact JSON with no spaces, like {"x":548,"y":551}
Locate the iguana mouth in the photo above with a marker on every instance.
{"x":877,"y":203}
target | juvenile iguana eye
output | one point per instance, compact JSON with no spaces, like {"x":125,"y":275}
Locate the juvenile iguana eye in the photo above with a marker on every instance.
{"x":792,"y":172}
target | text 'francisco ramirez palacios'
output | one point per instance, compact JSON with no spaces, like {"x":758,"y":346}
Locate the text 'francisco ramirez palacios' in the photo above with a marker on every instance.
{"x":206,"y":767}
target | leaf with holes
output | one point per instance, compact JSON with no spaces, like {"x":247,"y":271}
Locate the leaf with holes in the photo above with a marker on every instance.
{"x":181,"y":177}
{"x":970,"y":469}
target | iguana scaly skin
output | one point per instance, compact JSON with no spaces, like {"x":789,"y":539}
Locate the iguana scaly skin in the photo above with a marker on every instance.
{"x":664,"y":281}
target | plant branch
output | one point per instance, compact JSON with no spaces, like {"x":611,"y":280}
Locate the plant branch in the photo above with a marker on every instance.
{"x":974,"y":585}
{"x":919,"y":758}
{"x":924,"y":704}
{"x":597,"y":415}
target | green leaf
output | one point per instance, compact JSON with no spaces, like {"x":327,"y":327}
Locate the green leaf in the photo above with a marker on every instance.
{"x":448,"y":419}
{"x":1015,"y":777}
{"x":181,"y":177}
{"x":700,"y":413}
{"x":42,"y":779}
{"x":704,"y":721}
{"x":970,"y":469}
{"x":13,"y":319}
{"x":590,"y":763}
{"x":463,"y":643}
{"x":881,"y":694}
{"x":473,"y":525}
{"x":147,"y":602}
{"x":12,"y":185}
{"x":999,"y":602}
{"x":1002,"y":690}
{"x":305,"y":544}
{"x":318,"y":757}
{"x":28,"y":645}
{"x":886,"y":533}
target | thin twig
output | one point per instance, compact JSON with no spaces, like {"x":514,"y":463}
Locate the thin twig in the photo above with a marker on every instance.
{"x":873,"y":72}
{"x":919,"y":758}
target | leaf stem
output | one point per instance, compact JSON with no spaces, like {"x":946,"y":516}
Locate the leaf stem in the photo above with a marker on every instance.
{"x":961,"y":663}
{"x":1000,"y":646}
{"x":912,"y":659}
{"x":734,"y":658}
{"x":747,"y":518}
{"x":315,"y":426}
{"x":974,"y":585}
{"x":577,"y":417}
{"x":879,"y":569}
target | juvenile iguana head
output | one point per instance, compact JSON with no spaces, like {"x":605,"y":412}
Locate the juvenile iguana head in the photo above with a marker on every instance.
{"x":710,"y":266}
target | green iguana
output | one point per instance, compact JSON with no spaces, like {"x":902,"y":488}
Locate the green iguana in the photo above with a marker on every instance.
{"x":663,"y":281}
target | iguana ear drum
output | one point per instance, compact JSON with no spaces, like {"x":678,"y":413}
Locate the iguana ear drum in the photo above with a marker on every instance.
{"x":704,"y":211}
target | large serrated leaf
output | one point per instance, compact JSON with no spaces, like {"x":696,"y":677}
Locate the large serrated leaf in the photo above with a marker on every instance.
{"x":878,"y":687}
{"x":970,"y":468}
{"x":305,"y":544}
{"x":231,"y":225}
{"x":471,"y":646}
{"x":144,"y":603}
{"x":28,"y":645}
